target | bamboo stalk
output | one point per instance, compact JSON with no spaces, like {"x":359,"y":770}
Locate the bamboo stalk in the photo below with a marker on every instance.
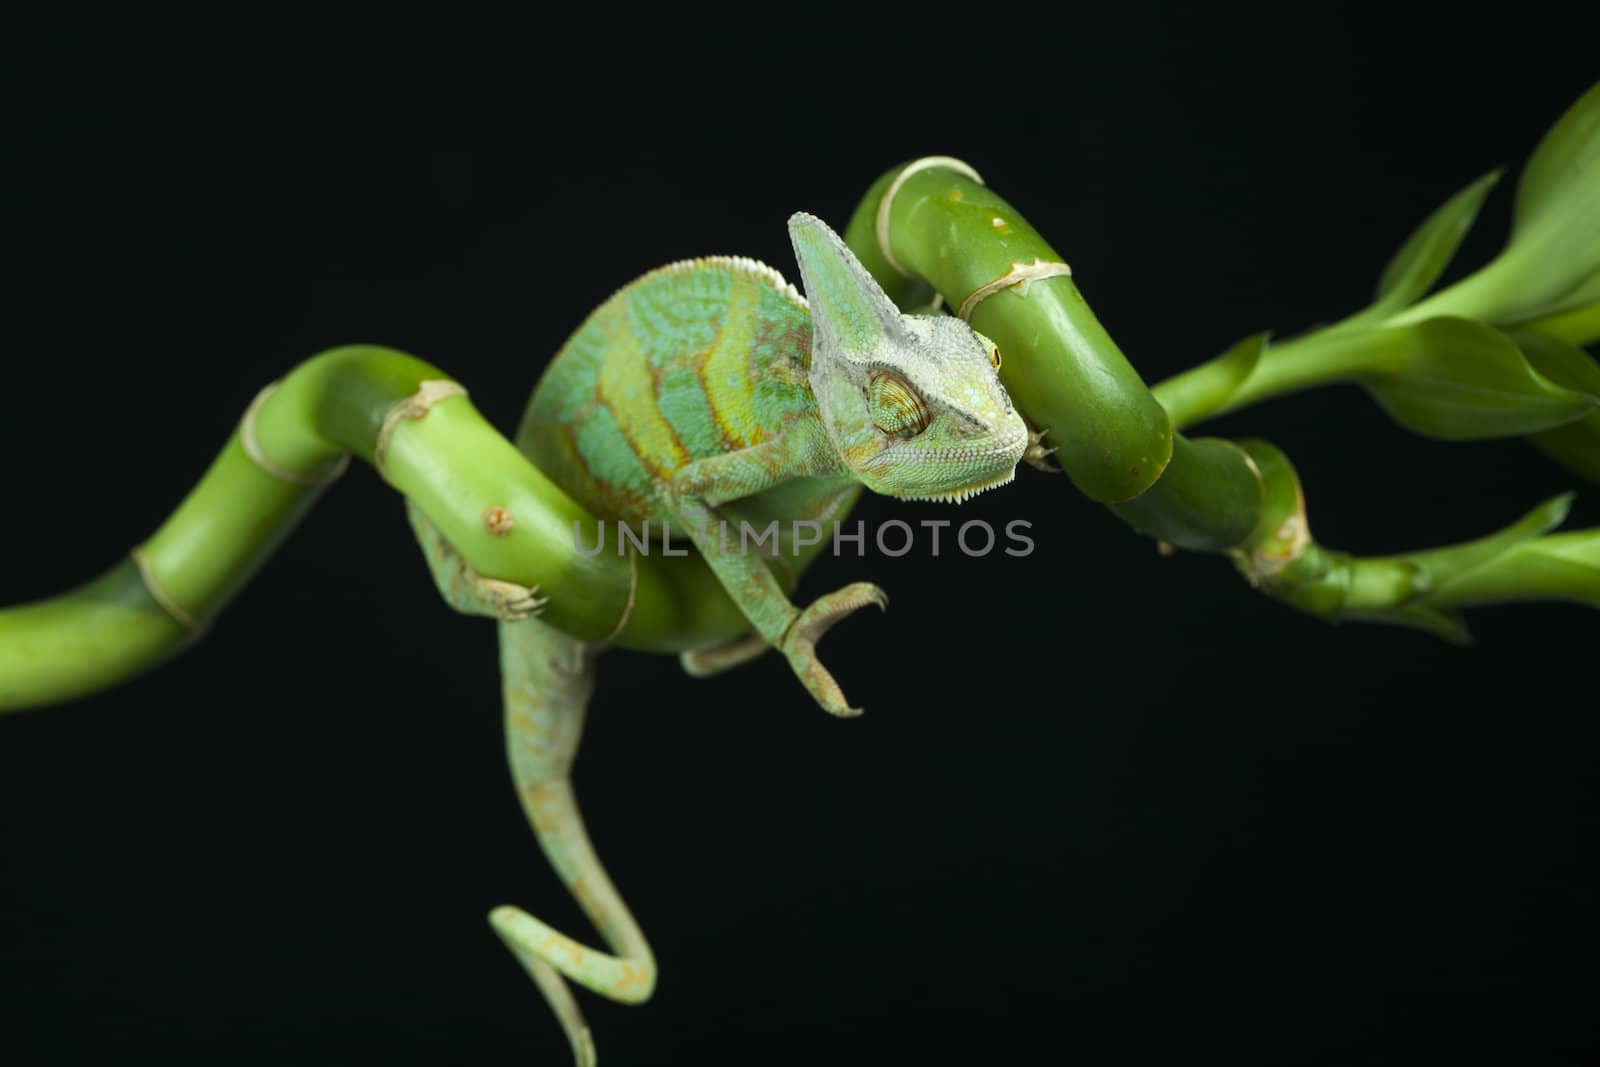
{"x":1061,"y":367}
{"x":1113,"y":439}
{"x":948,"y":231}
{"x":389,"y":409}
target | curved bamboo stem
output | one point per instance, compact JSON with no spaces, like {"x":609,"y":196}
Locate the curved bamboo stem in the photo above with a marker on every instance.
{"x":1243,"y":499}
{"x":1061,"y":367}
{"x":429,"y":443}
{"x":1067,"y":376}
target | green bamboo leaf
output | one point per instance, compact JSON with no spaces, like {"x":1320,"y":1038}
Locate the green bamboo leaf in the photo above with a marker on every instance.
{"x":1563,"y":170}
{"x":1457,"y":379}
{"x":1429,"y":249}
{"x":1428,"y":588}
{"x":1563,"y":568}
{"x":1239,"y":361}
{"x":1577,"y":319}
{"x":1562,"y":362}
{"x":1551,"y":264}
{"x":1445,"y":625}
{"x":1445,"y":565}
{"x":1210,"y":387}
{"x":1586,"y":294}
{"x":1557,"y":214}
{"x":1581,"y":325}
{"x":1559,"y":567}
{"x":1576,"y":445}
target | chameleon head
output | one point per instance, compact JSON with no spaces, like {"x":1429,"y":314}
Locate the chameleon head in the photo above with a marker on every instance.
{"x":912,"y":403}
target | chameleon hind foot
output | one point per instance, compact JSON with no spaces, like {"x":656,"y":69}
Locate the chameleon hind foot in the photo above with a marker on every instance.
{"x":800,"y":641}
{"x":705,"y":662}
{"x":463,"y":588}
{"x":507,"y":600}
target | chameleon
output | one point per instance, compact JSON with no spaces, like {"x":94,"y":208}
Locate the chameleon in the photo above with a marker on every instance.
{"x":703,"y":392}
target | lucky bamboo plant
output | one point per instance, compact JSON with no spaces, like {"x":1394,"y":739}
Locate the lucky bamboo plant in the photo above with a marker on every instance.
{"x":1498,"y":354}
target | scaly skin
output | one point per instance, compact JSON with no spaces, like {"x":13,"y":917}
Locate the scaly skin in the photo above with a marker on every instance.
{"x":705,"y":391}
{"x":710,"y":390}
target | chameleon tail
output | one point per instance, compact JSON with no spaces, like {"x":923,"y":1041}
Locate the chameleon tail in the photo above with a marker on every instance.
{"x":548,"y":677}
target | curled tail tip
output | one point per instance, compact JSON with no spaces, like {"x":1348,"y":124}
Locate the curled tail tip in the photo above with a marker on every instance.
{"x":504,"y":917}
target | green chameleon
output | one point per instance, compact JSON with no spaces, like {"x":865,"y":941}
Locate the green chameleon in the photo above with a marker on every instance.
{"x":703,"y":393}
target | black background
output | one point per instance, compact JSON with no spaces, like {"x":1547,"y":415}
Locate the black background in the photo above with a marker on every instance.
{"x":1103,"y":805}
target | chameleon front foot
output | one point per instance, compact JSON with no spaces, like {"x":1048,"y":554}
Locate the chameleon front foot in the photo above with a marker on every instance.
{"x":800,"y":641}
{"x":1038,"y":456}
{"x":507,"y":600}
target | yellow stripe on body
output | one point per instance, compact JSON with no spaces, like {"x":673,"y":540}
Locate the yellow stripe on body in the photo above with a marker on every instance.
{"x":725,"y":371}
{"x":628,"y":387}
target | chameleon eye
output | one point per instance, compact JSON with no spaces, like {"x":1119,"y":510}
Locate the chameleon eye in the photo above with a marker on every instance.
{"x":994,"y":356}
{"x":896,"y":408}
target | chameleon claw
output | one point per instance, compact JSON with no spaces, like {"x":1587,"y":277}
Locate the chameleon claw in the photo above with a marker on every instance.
{"x":1036,"y":455}
{"x":512,"y":602}
{"x":800,"y":641}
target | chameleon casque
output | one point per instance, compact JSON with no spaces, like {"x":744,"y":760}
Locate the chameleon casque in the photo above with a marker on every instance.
{"x":710,"y":391}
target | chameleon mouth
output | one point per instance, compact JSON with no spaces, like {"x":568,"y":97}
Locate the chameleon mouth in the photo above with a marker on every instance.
{"x":967,"y":492}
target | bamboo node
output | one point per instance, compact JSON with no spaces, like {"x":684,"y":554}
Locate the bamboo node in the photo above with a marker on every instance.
{"x":881,"y":226}
{"x":429,"y":392}
{"x":1262,"y":557}
{"x":1019,"y":277}
{"x":1260,"y":563}
{"x":633,"y":588}
{"x":159,"y":595}
{"x":252,"y":448}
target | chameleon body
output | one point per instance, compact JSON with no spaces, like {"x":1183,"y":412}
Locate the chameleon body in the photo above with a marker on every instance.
{"x":703,"y":392}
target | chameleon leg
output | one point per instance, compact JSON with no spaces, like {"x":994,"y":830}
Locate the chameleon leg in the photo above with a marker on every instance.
{"x":795,"y":633}
{"x":800,"y":643}
{"x":547,"y":679}
{"x":464,"y":588}
{"x":693,"y":495}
